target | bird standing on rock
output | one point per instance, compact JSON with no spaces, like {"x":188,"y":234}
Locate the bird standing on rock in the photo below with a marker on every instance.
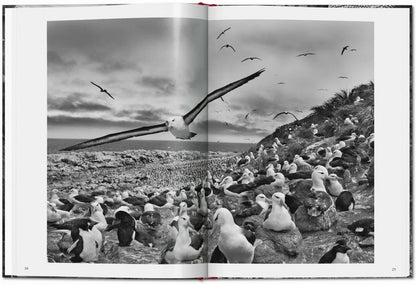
{"x":279,"y":218}
{"x":338,"y":254}
{"x":232,"y":242}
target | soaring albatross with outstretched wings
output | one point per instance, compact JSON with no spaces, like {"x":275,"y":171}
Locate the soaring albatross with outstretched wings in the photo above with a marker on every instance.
{"x":177,"y":125}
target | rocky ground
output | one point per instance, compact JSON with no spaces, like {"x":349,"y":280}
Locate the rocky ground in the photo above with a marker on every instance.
{"x":152,"y":170}
{"x":157,"y":170}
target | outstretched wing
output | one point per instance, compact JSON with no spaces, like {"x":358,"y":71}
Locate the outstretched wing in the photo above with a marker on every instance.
{"x":293,"y":115}
{"x":278,"y":114}
{"x":96,"y":85}
{"x":223,"y":47}
{"x":245,"y":59}
{"x":191,"y":115}
{"x":257,"y":58}
{"x":232,"y":47}
{"x":110,"y":95}
{"x":223,"y":32}
{"x":120,"y":136}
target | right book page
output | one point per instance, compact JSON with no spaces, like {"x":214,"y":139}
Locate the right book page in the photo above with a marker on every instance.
{"x":306,"y":186}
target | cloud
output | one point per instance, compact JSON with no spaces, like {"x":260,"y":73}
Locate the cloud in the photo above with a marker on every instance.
{"x":63,"y":120}
{"x":75,"y":102}
{"x":163,"y":85}
{"x":119,"y":65}
{"x":221,"y":128}
{"x":145,"y":115}
{"x":58,"y":63}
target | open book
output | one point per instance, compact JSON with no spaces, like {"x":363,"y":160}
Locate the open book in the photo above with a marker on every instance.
{"x":187,"y":141}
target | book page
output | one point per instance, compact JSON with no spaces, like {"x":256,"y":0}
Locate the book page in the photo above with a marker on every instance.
{"x":110,"y":208}
{"x":310,"y":186}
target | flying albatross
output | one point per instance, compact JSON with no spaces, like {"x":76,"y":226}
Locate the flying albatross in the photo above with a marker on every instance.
{"x":228,"y":46}
{"x":251,"y":58}
{"x":286,"y":113}
{"x":103,"y":90}
{"x":177,"y":125}
{"x":223,"y":32}
{"x":305,"y":54}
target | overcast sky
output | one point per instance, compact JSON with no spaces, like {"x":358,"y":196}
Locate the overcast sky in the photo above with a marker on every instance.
{"x":156,"y":68}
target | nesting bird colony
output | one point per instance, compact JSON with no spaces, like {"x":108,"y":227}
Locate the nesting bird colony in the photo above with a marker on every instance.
{"x":269,"y":205}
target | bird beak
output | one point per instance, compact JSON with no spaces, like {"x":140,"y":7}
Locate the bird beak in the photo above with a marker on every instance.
{"x":268,"y":200}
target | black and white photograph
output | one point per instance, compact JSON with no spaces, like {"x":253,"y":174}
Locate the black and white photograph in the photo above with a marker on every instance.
{"x":176,"y":140}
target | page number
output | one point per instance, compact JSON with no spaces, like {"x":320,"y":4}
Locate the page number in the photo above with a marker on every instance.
{"x":393,"y":269}
{"x":26,"y":268}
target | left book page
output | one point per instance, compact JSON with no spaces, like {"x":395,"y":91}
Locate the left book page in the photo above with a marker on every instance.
{"x":80,"y":82}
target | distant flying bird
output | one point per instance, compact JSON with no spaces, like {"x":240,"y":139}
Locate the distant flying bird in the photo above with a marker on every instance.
{"x":305,"y":54}
{"x":222,"y":99}
{"x":102,"y":90}
{"x":246,"y":116}
{"x":280,"y":83}
{"x":177,"y":125}
{"x":251,"y":58}
{"x":227,"y":46}
{"x":343,"y":77}
{"x":223,"y":32}
{"x":226,"y":124}
{"x":344,"y":49}
{"x":286,"y":113}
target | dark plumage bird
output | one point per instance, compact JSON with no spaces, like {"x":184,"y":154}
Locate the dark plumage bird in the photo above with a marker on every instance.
{"x":343,"y":77}
{"x":345,"y":201}
{"x":228,"y":46}
{"x":305,"y":54}
{"x":159,"y":200}
{"x":363,"y":227}
{"x":344,"y":49}
{"x":338,"y":254}
{"x":77,"y":247}
{"x":240,"y":188}
{"x":299,"y":175}
{"x":281,"y":83}
{"x":285,"y":113}
{"x":103,"y":90}
{"x":292,"y":202}
{"x":150,"y":216}
{"x":251,"y":58}
{"x":126,"y":229}
{"x":223,"y":32}
{"x":135,"y":201}
{"x":246,"y":116}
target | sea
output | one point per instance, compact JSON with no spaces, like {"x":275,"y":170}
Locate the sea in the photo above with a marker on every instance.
{"x":54,"y":145}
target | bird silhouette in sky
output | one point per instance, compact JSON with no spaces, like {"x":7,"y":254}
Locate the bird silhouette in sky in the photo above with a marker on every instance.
{"x":103,"y":90}
{"x":228,"y":46}
{"x":305,"y":54}
{"x":223,"y":32}
{"x":251,"y":58}
{"x":344,"y":49}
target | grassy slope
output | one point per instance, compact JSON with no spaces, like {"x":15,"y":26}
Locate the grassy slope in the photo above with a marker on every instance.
{"x":330,"y":117}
